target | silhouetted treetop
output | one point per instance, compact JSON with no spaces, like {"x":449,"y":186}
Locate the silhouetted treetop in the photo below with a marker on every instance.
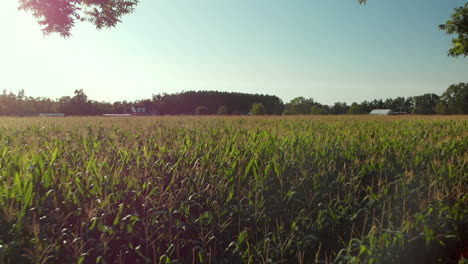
{"x":458,"y":25}
{"x":60,"y":16}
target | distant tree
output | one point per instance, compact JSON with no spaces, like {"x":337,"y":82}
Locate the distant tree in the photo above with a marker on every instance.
{"x":21,"y":95}
{"x":145,"y":104}
{"x":60,"y":16}
{"x":79,"y":103}
{"x":201,"y":110}
{"x":8,"y":103}
{"x":99,"y":108}
{"x":339,"y":108}
{"x":80,"y":97}
{"x":299,"y":106}
{"x":441,"y":108}
{"x":377,"y":104}
{"x":119,"y":107}
{"x":456,"y":98}
{"x":258,"y":109}
{"x":357,"y":109}
{"x":186,"y":102}
{"x":76,"y":105}
{"x":399,"y":104}
{"x":65,"y":105}
{"x":409,"y":105}
{"x":453,"y":101}
{"x":317,"y":110}
{"x":326,"y":109}
{"x":223,"y":110}
{"x":425,"y":104}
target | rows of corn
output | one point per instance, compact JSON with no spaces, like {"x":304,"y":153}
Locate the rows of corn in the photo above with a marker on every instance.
{"x":234,"y":190}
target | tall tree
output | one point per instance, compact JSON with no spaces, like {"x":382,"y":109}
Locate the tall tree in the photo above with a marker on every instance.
{"x":339,"y":108}
{"x":59,"y":16}
{"x":425,"y":104}
{"x":319,"y":110}
{"x":357,"y":109}
{"x":441,"y":108}
{"x":456,"y":98}
{"x":258,"y":109}
{"x":458,"y":25}
{"x":299,"y":106}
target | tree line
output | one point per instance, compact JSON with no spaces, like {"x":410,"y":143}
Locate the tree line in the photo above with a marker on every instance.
{"x":453,"y":101}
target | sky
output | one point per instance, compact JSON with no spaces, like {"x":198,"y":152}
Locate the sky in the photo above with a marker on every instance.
{"x":329,"y":50}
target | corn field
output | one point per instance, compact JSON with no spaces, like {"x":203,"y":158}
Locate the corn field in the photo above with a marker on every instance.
{"x":343,"y":189}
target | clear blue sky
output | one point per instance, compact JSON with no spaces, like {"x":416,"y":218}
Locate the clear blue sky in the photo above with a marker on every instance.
{"x":330,"y":50}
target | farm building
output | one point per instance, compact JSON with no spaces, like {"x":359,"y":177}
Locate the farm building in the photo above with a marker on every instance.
{"x":138,"y":111}
{"x":142,"y":111}
{"x":381,"y":112}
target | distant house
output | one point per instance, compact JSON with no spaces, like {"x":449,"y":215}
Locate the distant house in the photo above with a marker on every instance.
{"x":381,"y":112}
{"x":138,"y":111}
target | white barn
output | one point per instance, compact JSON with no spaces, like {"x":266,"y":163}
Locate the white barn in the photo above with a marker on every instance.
{"x":381,"y":112}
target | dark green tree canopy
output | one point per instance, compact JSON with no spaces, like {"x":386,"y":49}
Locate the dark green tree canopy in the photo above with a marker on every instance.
{"x":59,"y":16}
{"x":458,"y":25}
{"x":456,"y":98}
{"x":258,"y":109}
{"x":300,"y":106}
